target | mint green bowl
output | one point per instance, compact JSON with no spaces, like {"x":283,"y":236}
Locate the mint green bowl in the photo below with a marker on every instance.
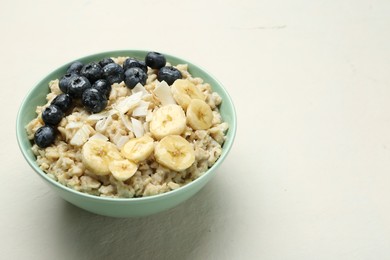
{"x":122,"y":207}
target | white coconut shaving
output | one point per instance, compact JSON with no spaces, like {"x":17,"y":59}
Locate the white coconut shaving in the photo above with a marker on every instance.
{"x":74,"y":125}
{"x":126,"y":122}
{"x":138,"y":128}
{"x":164,"y":94}
{"x":139,"y":88}
{"x":103,"y":123}
{"x":146,"y":127}
{"x":149,"y":116}
{"x":99,"y":136}
{"x":141,"y":109}
{"x":128,"y":103}
{"x":101,"y":115}
{"x":81,"y":136}
{"x":122,"y":141}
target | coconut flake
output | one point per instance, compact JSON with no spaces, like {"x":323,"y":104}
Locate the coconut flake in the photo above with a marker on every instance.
{"x":116,"y":137}
{"x":101,"y":115}
{"x":138,"y":128}
{"x":102,"y":124}
{"x":122,"y":141}
{"x":99,"y":136}
{"x":81,"y":136}
{"x":98,"y":116}
{"x":126,"y":122}
{"x":146,"y":126}
{"x":139,"y":88}
{"x":163,"y":93}
{"x":128,"y":103}
{"x":73,"y":125}
{"x":149,"y":116}
{"x":141,"y":109}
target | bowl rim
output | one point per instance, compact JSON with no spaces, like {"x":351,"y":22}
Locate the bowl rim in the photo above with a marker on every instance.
{"x":20,"y":131}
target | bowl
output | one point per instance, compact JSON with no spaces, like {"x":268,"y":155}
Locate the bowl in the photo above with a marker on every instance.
{"x":122,"y":207}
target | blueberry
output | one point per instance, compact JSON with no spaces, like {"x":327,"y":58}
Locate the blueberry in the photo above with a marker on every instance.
{"x":133,"y":76}
{"x":131,"y":63}
{"x":78,"y":85}
{"x":168,"y":74}
{"x":64,"y":82}
{"x":155,"y":60}
{"x":45,"y":136}
{"x":105,"y":61}
{"x":52,"y":115}
{"x":103,"y":87}
{"x":63,"y":101}
{"x":75,"y":68}
{"x":93,"y":100}
{"x":92,"y":71}
{"x":113,"y":73}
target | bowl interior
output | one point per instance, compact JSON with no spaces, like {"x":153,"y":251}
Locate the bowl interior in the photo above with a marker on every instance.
{"x":37,"y":95}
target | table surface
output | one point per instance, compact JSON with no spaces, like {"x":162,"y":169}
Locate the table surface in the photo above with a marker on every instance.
{"x":308,"y":176}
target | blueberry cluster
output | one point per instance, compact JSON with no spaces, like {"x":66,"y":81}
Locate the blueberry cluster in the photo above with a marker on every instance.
{"x":157,"y":60}
{"x":91,"y":84}
{"x":51,"y":116}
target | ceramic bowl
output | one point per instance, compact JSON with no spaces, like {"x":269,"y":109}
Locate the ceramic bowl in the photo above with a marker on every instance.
{"x":122,"y":207}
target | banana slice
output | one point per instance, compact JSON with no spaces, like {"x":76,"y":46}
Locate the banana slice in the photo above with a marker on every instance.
{"x":199,"y":115}
{"x":97,"y":155}
{"x":138,"y":149}
{"x":168,"y":120}
{"x":184,"y":91}
{"x":175,"y":153}
{"x":122,"y":169}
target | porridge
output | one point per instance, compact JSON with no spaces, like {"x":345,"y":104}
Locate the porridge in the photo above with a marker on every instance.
{"x":126,"y":128}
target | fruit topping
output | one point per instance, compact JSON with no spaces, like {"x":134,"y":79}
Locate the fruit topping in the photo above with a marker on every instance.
{"x":63,"y":101}
{"x":52,"y":115}
{"x":103,"y":87}
{"x":168,"y":120}
{"x":92,"y":71}
{"x":75,"y":67}
{"x":122,"y":169}
{"x":135,"y":75}
{"x":105,"y":61}
{"x":93,"y":100}
{"x":131,"y":63}
{"x":64,"y":82}
{"x":138,"y":149}
{"x":199,"y":115}
{"x":77,"y":85}
{"x":44,"y":136}
{"x":155,"y":60}
{"x":168,"y":74}
{"x":98,"y":154}
{"x":113,"y":73}
{"x":184,"y":91}
{"x":175,"y":153}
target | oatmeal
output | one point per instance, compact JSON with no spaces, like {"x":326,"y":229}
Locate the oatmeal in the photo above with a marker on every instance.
{"x":129,"y":130}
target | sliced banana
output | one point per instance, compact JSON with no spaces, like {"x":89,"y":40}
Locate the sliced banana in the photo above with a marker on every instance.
{"x":199,"y":115}
{"x":175,"y":153}
{"x":168,"y":120}
{"x":97,"y":155}
{"x":138,"y":149}
{"x":122,"y":169}
{"x":184,"y":91}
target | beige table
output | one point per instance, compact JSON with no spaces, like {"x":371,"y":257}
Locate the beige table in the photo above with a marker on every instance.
{"x":309,"y":174}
